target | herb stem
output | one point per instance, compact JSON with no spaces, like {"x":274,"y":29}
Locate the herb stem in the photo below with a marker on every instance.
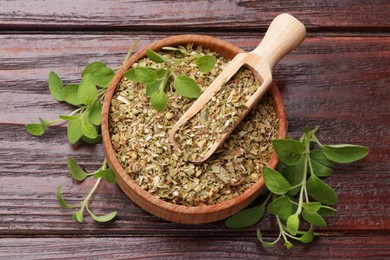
{"x":129,"y":52}
{"x":281,"y":228}
{"x":303,"y":187}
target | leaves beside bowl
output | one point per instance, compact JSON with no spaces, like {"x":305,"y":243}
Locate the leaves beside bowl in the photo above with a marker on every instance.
{"x":295,"y":191}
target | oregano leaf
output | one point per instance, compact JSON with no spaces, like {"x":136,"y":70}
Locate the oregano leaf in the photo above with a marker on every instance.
{"x":55,"y":86}
{"x":307,"y":237}
{"x":159,"y":101}
{"x":61,"y":201}
{"x":275,"y":182}
{"x":344,"y":153}
{"x":88,"y":129}
{"x":92,"y":67}
{"x":206,"y":63}
{"x":75,"y":170}
{"x":87,"y":92}
{"x":294,"y":175}
{"x":69,"y":93}
{"x":35,"y":129}
{"x":186,"y":87}
{"x":246,"y":217}
{"x":313,"y":217}
{"x":103,"y":76}
{"x":104,"y":218}
{"x":68,"y":118}
{"x":320,"y":191}
{"x":326,"y":211}
{"x":281,"y":207}
{"x":107,"y":174}
{"x":313,"y":206}
{"x":96,"y":140}
{"x":95,"y":113}
{"x":293,"y":224}
{"x":319,"y":157}
{"x":289,"y":151}
{"x":78,"y":216}
{"x":74,"y":130}
{"x":154,"y":56}
{"x":141,"y":74}
{"x":321,"y":170}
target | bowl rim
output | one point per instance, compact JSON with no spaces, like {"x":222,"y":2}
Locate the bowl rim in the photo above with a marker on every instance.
{"x":156,"y":205}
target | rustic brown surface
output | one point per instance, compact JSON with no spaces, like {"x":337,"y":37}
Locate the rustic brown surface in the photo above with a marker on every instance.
{"x":338,"y":79}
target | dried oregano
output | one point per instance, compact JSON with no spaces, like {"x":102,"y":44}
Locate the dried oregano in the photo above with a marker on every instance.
{"x":139,"y":135}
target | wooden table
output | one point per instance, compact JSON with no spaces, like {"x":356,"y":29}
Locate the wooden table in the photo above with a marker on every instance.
{"x":339,"y":80}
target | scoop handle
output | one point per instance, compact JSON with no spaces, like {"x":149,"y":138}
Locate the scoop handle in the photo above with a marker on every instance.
{"x":284,"y":34}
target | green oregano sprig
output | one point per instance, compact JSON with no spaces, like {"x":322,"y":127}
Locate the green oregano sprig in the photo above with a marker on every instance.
{"x":156,"y":79}
{"x":80,"y":175}
{"x":83,"y":124}
{"x":296,"y":193}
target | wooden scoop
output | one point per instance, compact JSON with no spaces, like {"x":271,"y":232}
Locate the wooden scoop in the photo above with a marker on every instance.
{"x":284,"y":34}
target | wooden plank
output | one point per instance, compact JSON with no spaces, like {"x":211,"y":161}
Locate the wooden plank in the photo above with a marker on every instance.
{"x":195,"y":15}
{"x":338,"y":83}
{"x":351,"y":247}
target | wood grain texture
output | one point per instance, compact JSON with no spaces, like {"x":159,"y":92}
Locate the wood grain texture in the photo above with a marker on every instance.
{"x":330,"y":247}
{"x":195,"y":15}
{"x":338,"y":83}
{"x":350,"y":108}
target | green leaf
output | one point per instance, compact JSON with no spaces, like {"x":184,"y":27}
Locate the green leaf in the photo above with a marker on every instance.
{"x":313,"y":206}
{"x":294,"y":174}
{"x":55,"y":86}
{"x":293,"y":224}
{"x":153,"y":88}
{"x":275,"y":182}
{"x":75,"y":170}
{"x":69,"y":93}
{"x":158,"y":85}
{"x":326,"y":211}
{"x":87,"y":92}
{"x":96,"y":140}
{"x":321,"y":170}
{"x":74,"y":130}
{"x":186,"y":87}
{"x":319,"y":157}
{"x":159,"y":101}
{"x":107,"y":174}
{"x":130,"y":75}
{"x":103,"y":76}
{"x":88,"y":129}
{"x":44,"y":123}
{"x":265,"y":243}
{"x":78,"y":216}
{"x":246,"y":217}
{"x":35,"y":129}
{"x":141,"y":74}
{"x":154,"y":56}
{"x":92,"y":67}
{"x":313,"y":218}
{"x":206,"y":63}
{"x":95,"y":113}
{"x":289,"y":151}
{"x":169,"y":48}
{"x":288,"y":245}
{"x":320,"y":191}
{"x":307,"y":237}
{"x":68,"y":118}
{"x":280,"y":207}
{"x":344,"y":153}
{"x":61,"y":201}
{"x":104,"y":218}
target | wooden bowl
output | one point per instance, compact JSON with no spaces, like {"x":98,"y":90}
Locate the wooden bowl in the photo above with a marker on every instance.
{"x":149,"y":202}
